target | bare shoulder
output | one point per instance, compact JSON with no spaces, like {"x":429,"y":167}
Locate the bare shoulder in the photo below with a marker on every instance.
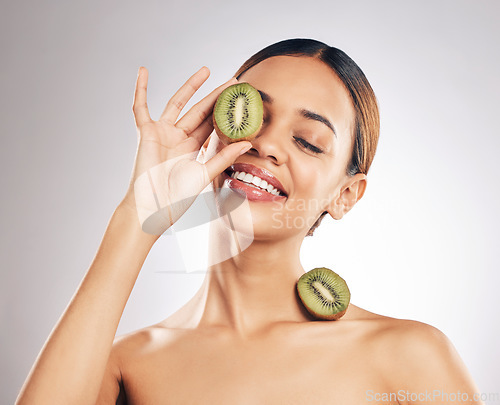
{"x":416,"y":356}
{"x":127,"y":346}
{"x":126,"y":349}
{"x":405,"y":338}
{"x":402,"y":336}
{"x":396,"y":330}
{"x":416,"y":344}
{"x":138,"y":342}
{"x":133,"y":339}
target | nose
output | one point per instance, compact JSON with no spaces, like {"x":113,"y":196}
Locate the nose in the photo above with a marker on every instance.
{"x":270,"y":144}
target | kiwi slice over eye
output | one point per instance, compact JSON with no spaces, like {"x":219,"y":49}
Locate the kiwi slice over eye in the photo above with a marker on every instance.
{"x":238,"y":113}
{"x":324,"y":293}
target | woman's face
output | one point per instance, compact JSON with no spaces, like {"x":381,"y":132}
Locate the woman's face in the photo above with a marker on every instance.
{"x":305,"y":142}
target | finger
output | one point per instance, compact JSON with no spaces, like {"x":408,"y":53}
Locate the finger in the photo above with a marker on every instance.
{"x":140,"y":106}
{"x":201,"y":110}
{"x":183,"y":95}
{"x":201,"y":133}
{"x":222,"y":160}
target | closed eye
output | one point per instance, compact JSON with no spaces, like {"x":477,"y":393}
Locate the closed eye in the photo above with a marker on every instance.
{"x":300,"y":141}
{"x":304,"y":144}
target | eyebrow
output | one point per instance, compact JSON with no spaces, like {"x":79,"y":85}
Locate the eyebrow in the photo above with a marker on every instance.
{"x":266,"y":98}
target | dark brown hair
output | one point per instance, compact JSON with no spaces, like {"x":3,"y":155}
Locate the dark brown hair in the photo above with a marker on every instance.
{"x":367,"y":121}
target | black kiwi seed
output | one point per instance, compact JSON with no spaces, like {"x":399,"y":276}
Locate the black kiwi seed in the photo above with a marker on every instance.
{"x":324,"y":293}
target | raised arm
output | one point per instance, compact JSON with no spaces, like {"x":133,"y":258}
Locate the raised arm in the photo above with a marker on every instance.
{"x":73,"y":360}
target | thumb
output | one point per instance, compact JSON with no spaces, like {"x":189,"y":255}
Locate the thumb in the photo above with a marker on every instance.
{"x":217,"y":164}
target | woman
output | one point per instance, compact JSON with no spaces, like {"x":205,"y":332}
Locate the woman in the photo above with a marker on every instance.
{"x":245,"y":337}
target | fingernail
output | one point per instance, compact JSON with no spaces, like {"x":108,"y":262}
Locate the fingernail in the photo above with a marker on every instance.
{"x":245,"y":149}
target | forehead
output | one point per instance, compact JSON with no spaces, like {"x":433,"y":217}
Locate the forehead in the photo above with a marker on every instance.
{"x":304,"y":82}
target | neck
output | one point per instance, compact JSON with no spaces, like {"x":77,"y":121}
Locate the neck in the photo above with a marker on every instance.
{"x":252,"y":290}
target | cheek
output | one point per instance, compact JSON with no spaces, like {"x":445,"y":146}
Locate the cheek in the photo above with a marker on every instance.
{"x":308,"y":189}
{"x":315,"y":185}
{"x":311,"y":177}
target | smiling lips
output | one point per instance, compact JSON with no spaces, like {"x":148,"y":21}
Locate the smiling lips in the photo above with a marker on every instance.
{"x":258,"y":184}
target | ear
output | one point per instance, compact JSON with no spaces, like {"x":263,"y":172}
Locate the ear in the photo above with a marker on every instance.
{"x":350,"y":193}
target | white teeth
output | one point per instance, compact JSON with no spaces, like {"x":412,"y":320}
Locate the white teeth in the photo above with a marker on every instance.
{"x":255,"y":180}
{"x":248,"y":178}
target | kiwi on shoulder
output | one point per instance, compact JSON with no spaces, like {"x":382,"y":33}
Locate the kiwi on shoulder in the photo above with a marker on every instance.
{"x":238,"y":113}
{"x":324,"y":293}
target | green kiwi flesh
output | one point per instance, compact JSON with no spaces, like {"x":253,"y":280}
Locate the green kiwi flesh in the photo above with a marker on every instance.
{"x":324,"y":293}
{"x":238,"y":113}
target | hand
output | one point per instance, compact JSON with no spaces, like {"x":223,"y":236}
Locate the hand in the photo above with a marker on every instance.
{"x":166,"y":177}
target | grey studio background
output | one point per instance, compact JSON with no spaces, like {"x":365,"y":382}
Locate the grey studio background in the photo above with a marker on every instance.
{"x":421,"y":244}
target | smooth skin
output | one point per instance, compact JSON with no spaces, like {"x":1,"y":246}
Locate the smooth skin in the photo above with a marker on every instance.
{"x":244,"y":338}
{"x":71,"y":365}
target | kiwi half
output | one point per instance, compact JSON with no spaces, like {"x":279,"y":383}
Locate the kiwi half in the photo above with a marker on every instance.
{"x":324,"y":293}
{"x":238,"y":113}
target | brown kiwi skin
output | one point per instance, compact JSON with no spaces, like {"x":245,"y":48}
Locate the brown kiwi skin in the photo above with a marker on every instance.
{"x":333,"y":317}
{"x":227,"y":140}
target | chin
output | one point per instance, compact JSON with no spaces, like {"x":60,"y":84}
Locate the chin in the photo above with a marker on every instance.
{"x":246,"y":217}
